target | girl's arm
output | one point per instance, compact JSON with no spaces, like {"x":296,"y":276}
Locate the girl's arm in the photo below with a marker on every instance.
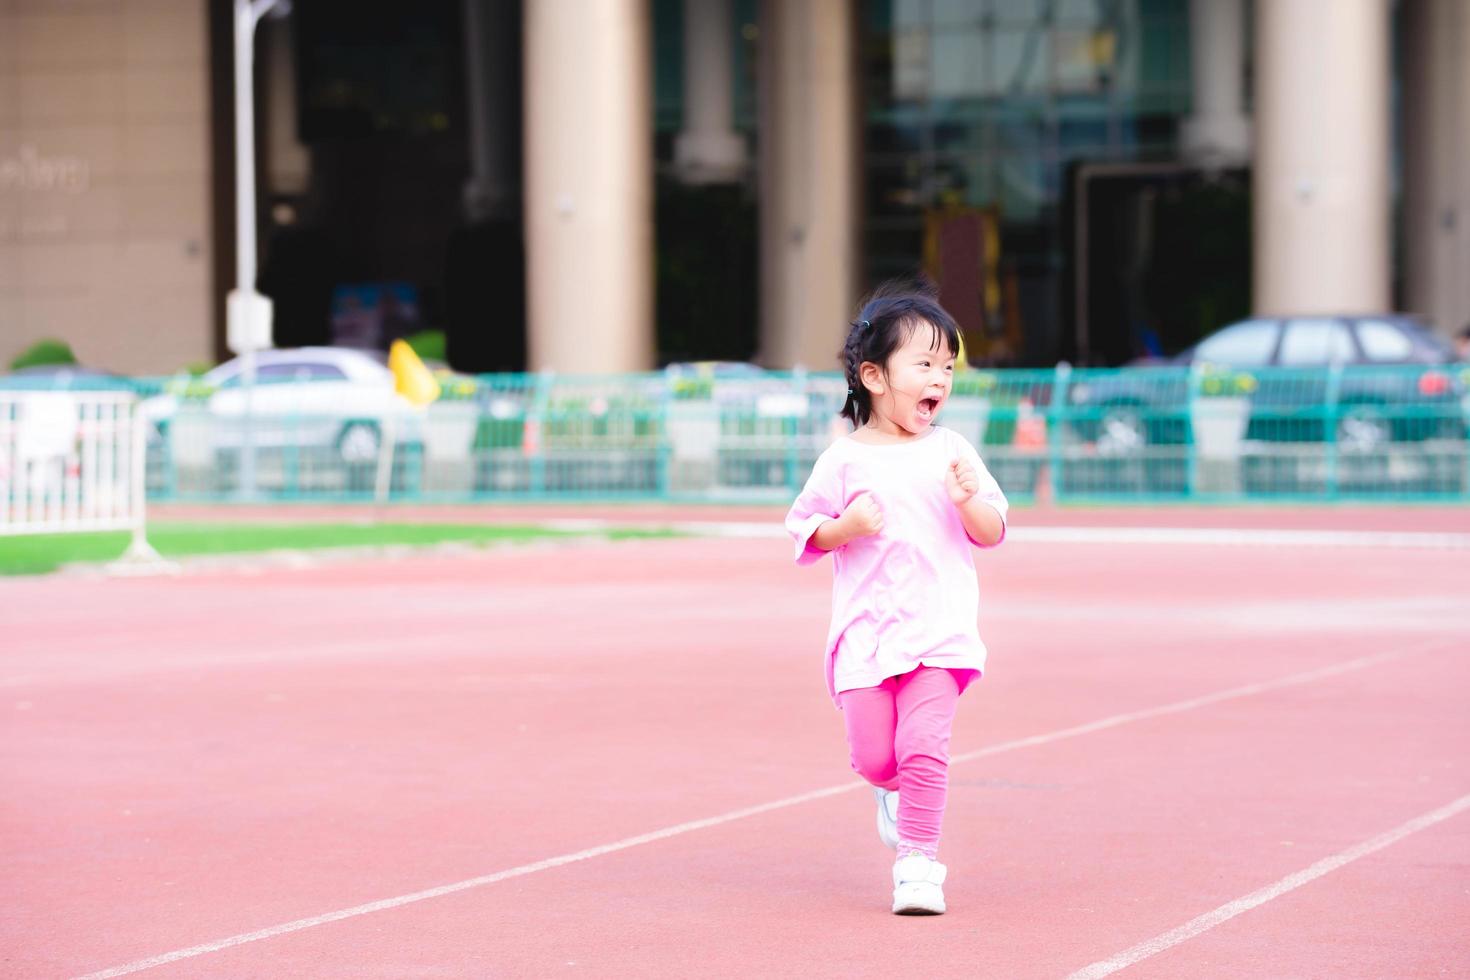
{"x":861,"y":517}
{"x":818,"y":522}
{"x":982,"y":521}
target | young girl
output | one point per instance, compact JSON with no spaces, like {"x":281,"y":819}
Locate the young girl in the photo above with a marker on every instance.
{"x":899,"y":503}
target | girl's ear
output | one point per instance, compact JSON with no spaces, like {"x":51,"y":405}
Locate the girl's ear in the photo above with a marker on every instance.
{"x":872,"y":377}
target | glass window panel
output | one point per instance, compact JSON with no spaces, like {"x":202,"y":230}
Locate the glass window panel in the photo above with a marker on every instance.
{"x":287,"y":371}
{"x":1087,"y":61}
{"x":948,"y":13}
{"x":910,"y":13}
{"x":960,"y":137}
{"x":1022,"y":185}
{"x":1243,"y":345}
{"x":746,"y":18}
{"x":982,"y":180}
{"x":1016,"y":12}
{"x":1161,"y":57}
{"x":1076,"y":66}
{"x":325,"y":372}
{"x":1077,"y":12}
{"x":911,"y":64}
{"x":959,"y":68}
{"x":279,"y":373}
{"x":1021,"y":179}
{"x":1383,"y":341}
{"x":985,"y":102}
{"x":1020,"y":61}
{"x":1310,"y":342}
{"x":1085,"y":137}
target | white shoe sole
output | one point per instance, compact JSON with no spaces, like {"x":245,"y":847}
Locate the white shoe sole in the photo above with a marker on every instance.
{"x":918,"y":901}
{"x":917,"y":908}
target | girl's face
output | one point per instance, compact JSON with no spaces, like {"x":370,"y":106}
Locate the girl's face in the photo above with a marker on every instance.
{"x":911,"y":388}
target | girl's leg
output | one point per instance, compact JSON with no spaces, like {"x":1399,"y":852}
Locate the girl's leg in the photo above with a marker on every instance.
{"x":925,"y":703}
{"x":870,"y":717}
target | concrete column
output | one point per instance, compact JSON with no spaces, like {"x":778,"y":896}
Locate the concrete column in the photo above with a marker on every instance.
{"x":1321,"y":184}
{"x":708,"y":150}
{"x":1217,"y":132}
{"x":490,"y":59}
{"x":808,"y":181}
{"x":1436,"y":107}
{"x":588,"y":127}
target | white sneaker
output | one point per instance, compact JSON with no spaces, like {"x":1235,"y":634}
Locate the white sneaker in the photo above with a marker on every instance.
{"x":887,"y":816}
{"x":916,"y":886}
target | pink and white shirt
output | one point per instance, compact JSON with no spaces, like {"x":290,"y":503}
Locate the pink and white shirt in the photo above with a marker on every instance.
{"x":908,"y":595}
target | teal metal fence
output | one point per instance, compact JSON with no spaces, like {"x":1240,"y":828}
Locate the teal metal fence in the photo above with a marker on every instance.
{"x":1138,"y":434}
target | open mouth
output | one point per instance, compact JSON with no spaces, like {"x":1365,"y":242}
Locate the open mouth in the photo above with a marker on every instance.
{"x":927,"y":407}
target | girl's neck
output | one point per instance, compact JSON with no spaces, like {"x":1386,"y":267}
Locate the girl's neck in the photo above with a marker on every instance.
{"x":884,"y":431}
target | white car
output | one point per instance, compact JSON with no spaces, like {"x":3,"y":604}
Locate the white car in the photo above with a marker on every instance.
{"x":309,"y":399}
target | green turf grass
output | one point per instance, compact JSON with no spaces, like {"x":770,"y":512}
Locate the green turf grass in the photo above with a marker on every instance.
{"x":37,"y":553}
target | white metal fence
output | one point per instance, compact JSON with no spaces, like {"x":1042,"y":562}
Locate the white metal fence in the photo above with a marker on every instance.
{"x":71,"y":461}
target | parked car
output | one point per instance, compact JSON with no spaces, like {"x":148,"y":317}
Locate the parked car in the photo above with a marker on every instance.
{"x":314,"y":415}
{"x":1144,"y":405}
{"x":1396,"y":389}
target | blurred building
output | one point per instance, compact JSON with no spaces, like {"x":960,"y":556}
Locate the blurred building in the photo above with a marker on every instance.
{"x":106,"y":238}
{"x":600,"y":185}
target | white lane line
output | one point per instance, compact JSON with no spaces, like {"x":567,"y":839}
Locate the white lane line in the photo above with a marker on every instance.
{"x":1252,"y":537}
{"x":1230,"y":910}
{"x":459,"y":886}
{"x":684,"y":828}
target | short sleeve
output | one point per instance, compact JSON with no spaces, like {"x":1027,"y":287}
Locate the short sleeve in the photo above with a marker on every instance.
{"x":989,"y":491}
{"x":820,"y":501}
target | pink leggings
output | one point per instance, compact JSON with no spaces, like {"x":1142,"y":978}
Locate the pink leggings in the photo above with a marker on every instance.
{"x":898,"y":733}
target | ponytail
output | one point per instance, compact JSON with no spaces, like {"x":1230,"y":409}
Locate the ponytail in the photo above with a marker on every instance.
{"x":859,"y":404}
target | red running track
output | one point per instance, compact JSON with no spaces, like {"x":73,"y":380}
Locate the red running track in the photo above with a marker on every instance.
{"x":1164,"y":730}
{"x":1397,"y":517}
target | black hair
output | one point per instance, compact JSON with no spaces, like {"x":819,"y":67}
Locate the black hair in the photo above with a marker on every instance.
{"x":885,"y":322}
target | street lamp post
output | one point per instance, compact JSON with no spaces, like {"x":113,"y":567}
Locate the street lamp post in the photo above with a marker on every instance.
{"x":247,"y":313}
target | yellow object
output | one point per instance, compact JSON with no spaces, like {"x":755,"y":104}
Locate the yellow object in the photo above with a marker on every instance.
{"x":411,"y":377}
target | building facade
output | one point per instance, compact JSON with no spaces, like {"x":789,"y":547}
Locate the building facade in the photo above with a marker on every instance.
{"x":601,"y":185}
{"x":106,"y":239}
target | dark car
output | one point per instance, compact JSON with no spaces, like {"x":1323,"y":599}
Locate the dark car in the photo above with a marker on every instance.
{"x":1362,"y":383}
{"x":1321,"y":341}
